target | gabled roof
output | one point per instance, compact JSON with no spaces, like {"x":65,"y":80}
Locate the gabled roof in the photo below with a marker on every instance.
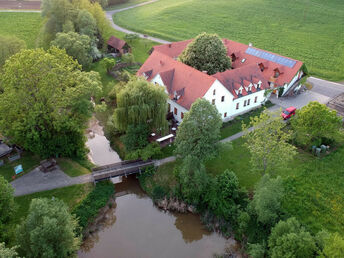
{"x":233,"y":79}
{"x":180,"y":79}
{"x":116,"y":42}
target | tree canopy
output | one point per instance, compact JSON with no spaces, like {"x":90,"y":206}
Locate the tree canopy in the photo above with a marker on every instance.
{"x":76,"y":45}
{"x":268,"y":143}
{"x":199,"y":133}
{"x":289,"y":239}
{"x":314,"y":123}
{"x":9,"y":45}
{"x":48,"y":231}
{"x":7,"y":207}
{"x":7,"y":252}
{"x":46,"y":99}
{"x":141,"y":102}
{"x":206,"y":53}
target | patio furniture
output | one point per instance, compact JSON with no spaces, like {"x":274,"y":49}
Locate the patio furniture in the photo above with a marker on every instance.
{"x":47,"y":165}
{"x":167,"y":137}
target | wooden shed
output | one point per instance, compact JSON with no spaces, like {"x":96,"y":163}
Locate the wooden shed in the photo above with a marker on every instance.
{"x":118,"y":46}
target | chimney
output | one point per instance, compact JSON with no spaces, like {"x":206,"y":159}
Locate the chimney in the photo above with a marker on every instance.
{"x":204,"y":71}
{"x":250,"y":44}
{"x":169,"y":45}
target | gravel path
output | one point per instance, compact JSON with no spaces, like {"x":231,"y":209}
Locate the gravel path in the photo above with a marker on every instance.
{"x":109,"y":16}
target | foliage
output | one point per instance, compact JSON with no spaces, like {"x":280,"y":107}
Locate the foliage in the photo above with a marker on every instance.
{"x":128,"y":58}
{"x":314,"y":123}
{"x":206,"y":53}
{"x":108,"y":63}
{"x":136,"y":137}
{"x":9,"y":45}
{"x":72,"y":168}
{"x":76,"y":45}
{"x":48,"y":230}
{"x":7,"y":207}
{"x":268,"y":143}
{"x":100,"y":107}
{"x":289,"y":239}
{"x":131,"y":37}
{"x":267,"y":200}
{"x":86,"y":24}
{"x":334,"y":246}
{"x":257,"y":250}
{"x":88,"y":209}
{"x":8,"y":252}
{"x":152,"y":149}
{"x":141,"y":102}
{"x":320,"y":19}
{"x":199,"y":132}
{"x":47,"y":101}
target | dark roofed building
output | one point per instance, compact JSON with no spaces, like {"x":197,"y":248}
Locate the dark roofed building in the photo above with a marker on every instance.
{"x":118,"y":46}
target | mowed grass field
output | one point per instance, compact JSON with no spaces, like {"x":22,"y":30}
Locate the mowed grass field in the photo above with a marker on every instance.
{"x":308,"y":30}
{"x":25,"y":26}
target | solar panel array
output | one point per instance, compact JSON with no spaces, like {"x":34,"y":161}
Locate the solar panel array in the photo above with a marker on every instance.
{"x":271,"y":57}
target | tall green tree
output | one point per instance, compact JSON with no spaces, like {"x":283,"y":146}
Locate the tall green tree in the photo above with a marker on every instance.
{"x":289,"y":239}
{"x":48,"y":231}
{"x":7,"y":207}
{"x":86,"y":24}
{"x":334,"y":246}
{"x":267,"y":200}
{"x":141,"y":102}
{"x":315,"y":123}
{"x":46,"y":99}
{"x":206,"y":53}
{"x":268,"y":143}
{"x":76,"y":45}
{"x":9,"y":45}
{"x":199,"y":133}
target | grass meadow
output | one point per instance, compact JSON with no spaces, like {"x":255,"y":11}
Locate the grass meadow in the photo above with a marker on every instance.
{"x":25,"y":26}
{"x":308,"y":30}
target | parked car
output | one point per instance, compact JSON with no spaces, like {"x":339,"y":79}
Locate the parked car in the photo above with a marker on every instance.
{"x":288,"y":113}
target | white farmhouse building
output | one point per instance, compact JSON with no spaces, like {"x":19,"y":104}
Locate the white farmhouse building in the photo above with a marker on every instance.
{"x":234,"y":91}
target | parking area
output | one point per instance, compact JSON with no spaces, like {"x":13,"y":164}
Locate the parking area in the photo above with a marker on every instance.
{"x":322,"y":91}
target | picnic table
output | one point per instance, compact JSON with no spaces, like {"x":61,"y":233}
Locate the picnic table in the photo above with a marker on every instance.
{"x":47,"y":165}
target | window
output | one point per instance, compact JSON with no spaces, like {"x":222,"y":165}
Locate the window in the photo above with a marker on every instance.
{"x":255,"y":99}
{"x":214,"y":91}
{"x":245,"y":103}
{"x":182,"y":115}
{"x":169,"y":107}
{"x":240,"y":91}
{"x":248,"y":102}
{"x":213,"y":102}
{"x":237,"y":106}
{"x":175,"y":111}
{"x":225,"y":114}
{"x":222,"y":98}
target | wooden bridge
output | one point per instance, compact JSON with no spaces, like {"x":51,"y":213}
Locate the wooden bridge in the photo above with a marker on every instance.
{"x":123,"y":168}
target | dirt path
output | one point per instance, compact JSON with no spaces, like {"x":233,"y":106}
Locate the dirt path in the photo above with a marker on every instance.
{"x":20,"y":5}
{"x":109,"y":15}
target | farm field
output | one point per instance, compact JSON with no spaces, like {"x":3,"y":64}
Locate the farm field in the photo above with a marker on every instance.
{"x":310,"y":31}
{"x":25,"y":26}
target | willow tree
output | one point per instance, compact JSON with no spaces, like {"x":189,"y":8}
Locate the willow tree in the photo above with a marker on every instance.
{"x":141,"y":102}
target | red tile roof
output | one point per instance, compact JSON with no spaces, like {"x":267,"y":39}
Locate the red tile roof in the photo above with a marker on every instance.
{"x":116,"y":43}
{"x":180,"y":79}
{"x":192,"y":84}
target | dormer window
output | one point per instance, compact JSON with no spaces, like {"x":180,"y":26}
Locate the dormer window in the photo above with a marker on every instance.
{"x":240,"y":91}
{"x":261,"y":67}
{"x":233,"y":57}
{"x":277,"y":73}
{"x":250,"y":88}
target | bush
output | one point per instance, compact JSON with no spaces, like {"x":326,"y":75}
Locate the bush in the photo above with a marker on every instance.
{"x":136,"y":137}
{"x":128,"y":58}
{"x":88,"y":209}
{"x":146,"y":153}
{"x":158,"y":192}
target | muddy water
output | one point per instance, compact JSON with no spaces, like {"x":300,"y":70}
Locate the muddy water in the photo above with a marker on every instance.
{"x":136,"y":228}
{"x":100,"y":150}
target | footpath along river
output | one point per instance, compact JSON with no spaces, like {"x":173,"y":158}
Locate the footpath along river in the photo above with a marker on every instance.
{"x":134,"y":227}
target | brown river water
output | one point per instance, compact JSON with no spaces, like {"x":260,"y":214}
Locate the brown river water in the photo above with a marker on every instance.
{"x":134,"y":227}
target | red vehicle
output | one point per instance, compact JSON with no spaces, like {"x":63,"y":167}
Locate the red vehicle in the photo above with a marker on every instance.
{"x":288,"y":113}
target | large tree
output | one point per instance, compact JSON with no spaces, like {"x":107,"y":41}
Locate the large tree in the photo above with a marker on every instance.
{"x":46,"y":99}
{"x":48,"y":231}
{"x":9,"y":45}
{"x":206,"y":53}
{"x":199,"y":133}
{"x":268,"y":143}
{"x":316,"y":123}
{"x":7,"y":207}
{"x":76,"y":45}
{"x":86,"y":24}
{"x":141,"y":102}
{"x":8,"y":252}
{"x":289,"y":239}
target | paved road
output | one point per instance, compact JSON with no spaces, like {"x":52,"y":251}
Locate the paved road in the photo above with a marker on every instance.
{"x":109,"y":15}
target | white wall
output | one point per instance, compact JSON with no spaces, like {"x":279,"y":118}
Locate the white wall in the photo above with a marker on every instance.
{"x":179,"y":108}
{"x":296,"y":77}
{"x":243,"y":109}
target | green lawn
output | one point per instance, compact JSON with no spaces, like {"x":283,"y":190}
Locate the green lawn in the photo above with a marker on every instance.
{"x":126,"y":4}
{"x":311,"y":31}
{"x":28,"y":160}
{"x":25,"y":26}
{"x":72,"y":168}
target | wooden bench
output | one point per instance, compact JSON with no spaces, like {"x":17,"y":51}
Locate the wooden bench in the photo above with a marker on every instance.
{"x":47,"y":165}
{"x":167,"y":137}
